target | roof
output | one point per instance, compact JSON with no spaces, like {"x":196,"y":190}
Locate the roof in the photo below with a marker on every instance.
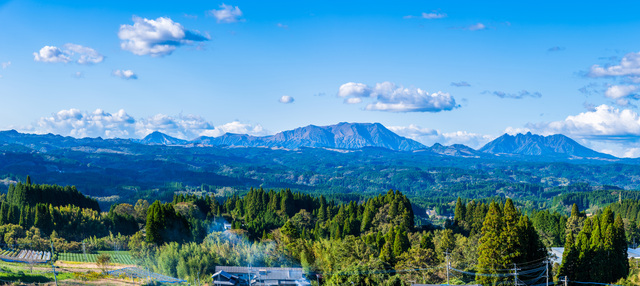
{"x":443,"y":284}
{"x":268,"y":275}
{"x":558,"y":251}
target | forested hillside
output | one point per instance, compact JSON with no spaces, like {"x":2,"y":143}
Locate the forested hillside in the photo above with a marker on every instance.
{"x":373,"y":241}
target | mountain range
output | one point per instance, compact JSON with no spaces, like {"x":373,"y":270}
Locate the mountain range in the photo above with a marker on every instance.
{"x":346,"y":136}
{"x":345,"y":160}
{"x":340,"y":136}
{"x":352,"y":136}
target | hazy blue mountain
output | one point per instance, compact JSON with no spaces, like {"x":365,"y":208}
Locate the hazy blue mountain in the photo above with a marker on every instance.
{"x":343,"y":136}
{"x":529,"y":144}
{"x":457,"y":150}
{"x":160,"y":138}
{"x":230,"y":139}
{"x":339,"y":136}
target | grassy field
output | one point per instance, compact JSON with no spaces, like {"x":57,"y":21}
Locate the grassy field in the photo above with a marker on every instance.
{"x":25,"y":276}
{"x":121,"y":257}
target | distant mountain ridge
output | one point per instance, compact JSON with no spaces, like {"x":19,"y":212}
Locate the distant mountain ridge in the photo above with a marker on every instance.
{"x":160,"y":138}
{"x":344,"y":135}
{"x":340,"y":136}
{"x":529,"y":144}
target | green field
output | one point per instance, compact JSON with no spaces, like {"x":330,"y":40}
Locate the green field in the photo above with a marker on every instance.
{"x":121,"y":257}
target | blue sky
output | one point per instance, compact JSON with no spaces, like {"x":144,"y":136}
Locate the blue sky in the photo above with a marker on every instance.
{"x":436,"y":71}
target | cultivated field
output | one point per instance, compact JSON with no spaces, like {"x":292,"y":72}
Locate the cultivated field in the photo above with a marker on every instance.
{"x":120,"y":257}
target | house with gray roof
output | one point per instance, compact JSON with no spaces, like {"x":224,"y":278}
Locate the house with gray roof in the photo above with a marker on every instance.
{"x":259,"y":276}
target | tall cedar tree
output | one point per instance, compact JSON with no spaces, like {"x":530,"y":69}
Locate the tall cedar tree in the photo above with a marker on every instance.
{"x":599,"y":254}
{"x":490,"y":255}
{"x":508,"y":238}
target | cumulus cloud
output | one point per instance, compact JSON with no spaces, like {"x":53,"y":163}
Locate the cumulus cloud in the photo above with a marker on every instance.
{"x":605,"y":129}
{"x":286,"y":99}
{"x":388,"y":96}
{"x":99,"y":123}
{"x":159,"y":37}
{"x":51,"y":54}
{"x":628,"y":66}
{"x":5,"y":64}
{"x":460,"y":84}
{"x":605,"y":122}
{"x":620,"y":91}
{"x":518,"y":95}
{"x":125,"y":74}
{"x":428,"y":136}
{"x":237,"y":127}
{"x":69,"y":52}
{"x":85,"y":55}
{"x":227,"y":14}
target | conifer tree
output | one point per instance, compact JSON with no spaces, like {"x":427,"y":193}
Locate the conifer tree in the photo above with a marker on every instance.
{"x":489,"y":252}
{"x":460,"y":212}
{"x":509,"y":234}
{"x":569,"y":264}
{"x":401,"y":243}
{"x":426,"y":242}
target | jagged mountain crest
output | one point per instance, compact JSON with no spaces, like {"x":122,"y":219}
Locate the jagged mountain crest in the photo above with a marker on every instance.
{"x":538,"y":145}
{"x":340,"y":136}
{"x":160,"y":138}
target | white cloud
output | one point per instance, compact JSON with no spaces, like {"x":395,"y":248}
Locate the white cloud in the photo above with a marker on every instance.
{"x":620,"y":91}
{"x":429,"y":136}
{"x":76,"y":123}
{"x":605,"y":122}
{"x":476,"y":27}
{"x":69,"y":52}
{"x":629,"y":66}
{"x":5,"y":64}
{"x":125,"y":74}
{"x":227,"y":14}
{"x":388,"y":96}
{"x":51,"y":54}
{"x":286,"y":99}
{"x":159,"y":37}
{"x":86,"y":55}
{"x":352,"y":89}
{"x":352,"y":100}
{"x":283,"y":26}
{"x":236,"y":127}
{"x":99,"y":123}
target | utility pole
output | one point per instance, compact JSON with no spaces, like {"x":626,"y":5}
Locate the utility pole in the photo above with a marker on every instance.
{"x":515,"y":278}
{"x":546,"y":263}
{"x":52,"y":266}
{"x":448,"y":265}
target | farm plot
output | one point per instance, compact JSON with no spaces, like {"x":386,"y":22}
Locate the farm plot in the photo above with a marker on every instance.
{"x":24,"y":256}
{"x":120,"y":257}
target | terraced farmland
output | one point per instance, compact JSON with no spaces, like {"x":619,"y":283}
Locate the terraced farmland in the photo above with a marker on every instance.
{"x":120,"y":257}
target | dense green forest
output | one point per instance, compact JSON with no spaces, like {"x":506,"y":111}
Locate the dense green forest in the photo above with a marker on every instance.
{"x":368,"y":241}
